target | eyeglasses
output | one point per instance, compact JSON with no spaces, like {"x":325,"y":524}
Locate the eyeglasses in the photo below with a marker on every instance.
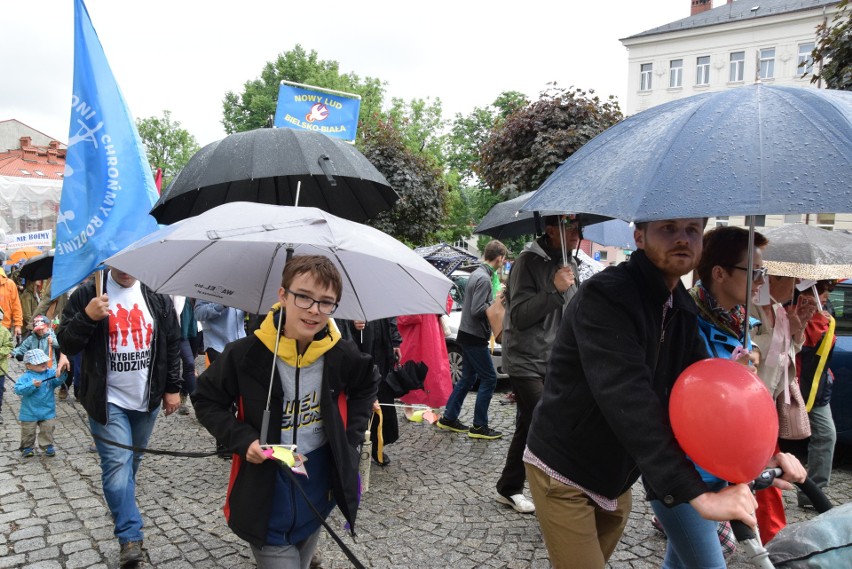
{"x":306,"y":302}
{"x":757,"y":273}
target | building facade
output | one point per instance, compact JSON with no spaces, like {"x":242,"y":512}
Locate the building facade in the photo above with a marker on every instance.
{"x":734,"y":44}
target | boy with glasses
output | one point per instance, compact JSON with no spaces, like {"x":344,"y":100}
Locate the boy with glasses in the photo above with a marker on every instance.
{"x":322,"y":395}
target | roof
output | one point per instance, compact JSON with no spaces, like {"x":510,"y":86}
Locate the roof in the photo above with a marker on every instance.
{"x":11,"y":131}
{"x":38,"y":162}
{"x":737,"y":11}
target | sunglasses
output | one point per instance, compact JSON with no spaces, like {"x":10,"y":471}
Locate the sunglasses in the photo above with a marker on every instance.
{"x":757,"y":273}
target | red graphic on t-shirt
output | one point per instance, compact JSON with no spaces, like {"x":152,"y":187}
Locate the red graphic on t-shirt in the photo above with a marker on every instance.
{"x":113,"y":332}
{"x":131,"y":324}
{"x":123,"y":323}
{"x":137,"y":324}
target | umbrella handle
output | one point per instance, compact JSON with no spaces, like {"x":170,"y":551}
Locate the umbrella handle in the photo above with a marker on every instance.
{"x":264,"y":425}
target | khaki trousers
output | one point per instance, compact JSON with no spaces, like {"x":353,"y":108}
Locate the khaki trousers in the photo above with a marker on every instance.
{"x":578,"y":533}
{"x":45,"y":433}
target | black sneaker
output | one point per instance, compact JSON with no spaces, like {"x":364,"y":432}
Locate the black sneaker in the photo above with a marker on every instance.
{"x":483,"y":432}
{"x":452,"y":425}
{"x":131,"y":554}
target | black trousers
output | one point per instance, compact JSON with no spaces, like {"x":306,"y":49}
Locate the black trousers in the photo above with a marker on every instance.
{"x":527,"y":394}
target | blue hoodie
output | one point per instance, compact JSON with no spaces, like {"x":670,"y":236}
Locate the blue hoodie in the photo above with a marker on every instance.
{"x":38,"y":403}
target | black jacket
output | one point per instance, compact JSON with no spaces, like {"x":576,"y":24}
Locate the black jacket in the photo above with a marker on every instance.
{"x":241,"y":374}
{"x":603,"y":416}
{"x":79,"y":333}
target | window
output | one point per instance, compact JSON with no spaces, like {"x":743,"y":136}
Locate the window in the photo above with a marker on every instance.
{"x":676,"y":73}
{"x":737,"y":66}
{"x":702,"y":70}
{"x":645,"y":76}
{"x":759,"y":220}
{"x":792,"y":218}
{"x":722,"y":221}
{"x":767,"y":63}
{"x":825,"y":220}
{"x":39,"y":172}
{"x":805,"y":64}
{"x":841,"y":301}
{"x":25,"y":172}
{"x":602,"y":254}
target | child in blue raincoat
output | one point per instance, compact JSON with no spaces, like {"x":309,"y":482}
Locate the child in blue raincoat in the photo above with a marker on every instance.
{"x":38,"y":405}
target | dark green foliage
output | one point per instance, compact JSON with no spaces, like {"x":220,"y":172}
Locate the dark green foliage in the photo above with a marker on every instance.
{"x":417,"y":180}
{"x":532,"y":142}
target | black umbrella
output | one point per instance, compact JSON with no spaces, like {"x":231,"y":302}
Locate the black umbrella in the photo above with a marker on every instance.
{"x":38,"y":268}
{"x":505,"y":219}
{"x":273,"y":165}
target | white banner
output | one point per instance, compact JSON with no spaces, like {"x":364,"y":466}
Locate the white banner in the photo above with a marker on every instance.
{"x":42,"y":239}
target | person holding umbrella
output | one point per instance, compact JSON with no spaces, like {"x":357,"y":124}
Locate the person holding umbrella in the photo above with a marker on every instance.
{"x":540,"y":287}
{"x":603,"y":415}
{"x":322,"y":393}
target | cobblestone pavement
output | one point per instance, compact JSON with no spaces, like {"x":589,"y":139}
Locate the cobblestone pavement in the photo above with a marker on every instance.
{"x":433,"y":506}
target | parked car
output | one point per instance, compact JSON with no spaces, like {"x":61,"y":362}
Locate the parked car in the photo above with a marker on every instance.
{"x":459,"y":278}
{"x":841,"y":362}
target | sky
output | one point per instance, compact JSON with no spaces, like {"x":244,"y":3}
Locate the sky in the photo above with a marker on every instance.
{"x":184,"y":55}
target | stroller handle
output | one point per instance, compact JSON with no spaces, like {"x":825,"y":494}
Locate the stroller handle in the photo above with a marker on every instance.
{"x":819,"y":500}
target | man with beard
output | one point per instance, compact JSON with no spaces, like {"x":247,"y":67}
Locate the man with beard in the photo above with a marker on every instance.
{"x":603,"y":416}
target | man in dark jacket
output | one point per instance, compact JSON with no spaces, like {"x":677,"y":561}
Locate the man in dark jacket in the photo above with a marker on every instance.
{"x":603,"y":416}
{"x":123,"y":386}
{"x":539,"y":290}
{"x":322,"y":395}
{"x":474,"y":333}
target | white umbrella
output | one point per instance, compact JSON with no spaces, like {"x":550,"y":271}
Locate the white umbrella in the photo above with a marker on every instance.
{"x":234,"y":255}
{"x":808,"y":252}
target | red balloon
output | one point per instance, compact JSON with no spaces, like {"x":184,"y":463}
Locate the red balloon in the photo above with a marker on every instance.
{"x":724,"y":418}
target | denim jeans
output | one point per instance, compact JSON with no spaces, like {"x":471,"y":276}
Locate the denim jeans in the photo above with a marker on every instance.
{"x":820,"y":446}
{"x":477,"y":363}
{"x":693,"y":542}
{"x":119,"y":466}
{"x":527,"y":395}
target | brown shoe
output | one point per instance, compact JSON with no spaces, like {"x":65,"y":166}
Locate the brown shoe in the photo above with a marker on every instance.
{"x":63,"y":392}
{"x":131,"y":554}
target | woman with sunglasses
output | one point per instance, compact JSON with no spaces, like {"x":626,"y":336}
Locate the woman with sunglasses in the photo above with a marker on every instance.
{"x":720,"y":296}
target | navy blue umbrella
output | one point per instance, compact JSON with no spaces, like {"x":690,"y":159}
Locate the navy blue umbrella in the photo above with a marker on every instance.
{"x":748,"y":151}
{"x":446,"y":258}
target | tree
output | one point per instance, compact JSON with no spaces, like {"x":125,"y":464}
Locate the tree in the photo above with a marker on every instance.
{"x":469,"y":133}
{"x":421,"y":125}
{"x":833,"y":52}
{"x":167,"y":145}
{"x":417,"y":180}
{"x":532,"y":142}
{"x":252,"y":108}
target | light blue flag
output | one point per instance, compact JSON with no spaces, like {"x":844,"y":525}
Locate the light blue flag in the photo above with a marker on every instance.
{"x":332,"y":114}
{"x":108,"y":188}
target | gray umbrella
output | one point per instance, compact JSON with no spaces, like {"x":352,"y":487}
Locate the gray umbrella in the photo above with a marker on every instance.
{"x":748,"y":151}
{"x":267,"y":166}
{"x":808,"y":252}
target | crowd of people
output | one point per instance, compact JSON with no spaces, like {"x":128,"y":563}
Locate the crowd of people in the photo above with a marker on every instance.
{"x":597,"y":360}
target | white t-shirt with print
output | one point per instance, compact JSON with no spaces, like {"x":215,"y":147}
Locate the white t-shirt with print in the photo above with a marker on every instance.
{"x":131,"y":330}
